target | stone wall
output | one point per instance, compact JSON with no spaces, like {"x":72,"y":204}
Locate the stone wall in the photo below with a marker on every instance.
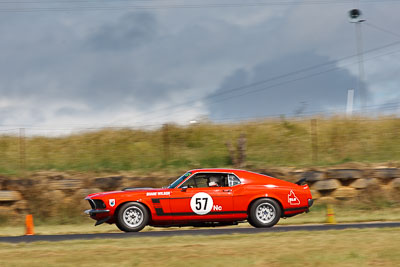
{"x":50,"y":194}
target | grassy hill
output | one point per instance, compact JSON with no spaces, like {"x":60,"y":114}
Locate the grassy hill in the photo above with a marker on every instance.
{"x":273,"y":142}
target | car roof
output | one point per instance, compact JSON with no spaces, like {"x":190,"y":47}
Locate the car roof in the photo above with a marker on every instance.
{"x":218,"y":170}
{"x":250,"y":177}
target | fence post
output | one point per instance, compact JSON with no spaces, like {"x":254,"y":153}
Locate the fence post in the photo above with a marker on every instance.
{"x":314,"y":141}
{"x":166,"y":142}
{"x":241,"y":150}
{"x":22,"y":153}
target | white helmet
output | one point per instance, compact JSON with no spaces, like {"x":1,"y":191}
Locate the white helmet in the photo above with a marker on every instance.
{"x":212,"y":184}
{"x":213,"y":181}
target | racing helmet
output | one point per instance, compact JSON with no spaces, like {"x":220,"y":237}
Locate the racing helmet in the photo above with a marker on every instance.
{"x":213,"y":181}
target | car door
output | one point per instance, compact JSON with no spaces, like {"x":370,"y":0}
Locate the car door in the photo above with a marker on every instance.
{"x":195,"y":200}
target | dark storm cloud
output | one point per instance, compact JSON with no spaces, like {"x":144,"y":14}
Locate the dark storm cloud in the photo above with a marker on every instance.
{"x":92,"y":67}
{"x":316,"y":93}
{"x":47,"y":69}
{"x":129,"y":31}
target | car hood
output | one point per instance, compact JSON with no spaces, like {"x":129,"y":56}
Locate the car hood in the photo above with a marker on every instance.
{"x":127,"y":191}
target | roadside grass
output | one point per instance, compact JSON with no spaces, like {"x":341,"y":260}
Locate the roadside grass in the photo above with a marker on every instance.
{"x":172,"y":148}
{"x":317,"y":215}
{"x":362,"y":247}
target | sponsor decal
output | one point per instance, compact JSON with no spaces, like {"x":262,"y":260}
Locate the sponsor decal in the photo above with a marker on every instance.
{"x":111,"y":202}
{"x":217,"y":208}
{"x":292,"y":199}
{"x":167,"y":193}
{"x":201,"y":203}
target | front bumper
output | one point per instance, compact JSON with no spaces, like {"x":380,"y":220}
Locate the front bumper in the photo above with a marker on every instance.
{"x":94,"y":212}
{"x":102,"y":218}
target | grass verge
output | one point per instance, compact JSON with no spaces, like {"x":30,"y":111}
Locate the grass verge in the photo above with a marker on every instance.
{"x":317,"y":214}
{"x":273,"y":142}
{"x":329,"y":248}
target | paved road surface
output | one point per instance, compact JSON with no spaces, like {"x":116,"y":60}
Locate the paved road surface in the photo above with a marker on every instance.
{"x":207,"y":231}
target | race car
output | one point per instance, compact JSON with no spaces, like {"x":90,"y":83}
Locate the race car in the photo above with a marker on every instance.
{"x":203,"y":197}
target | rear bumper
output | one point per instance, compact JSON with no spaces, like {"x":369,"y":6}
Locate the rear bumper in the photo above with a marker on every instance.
{"x":310,"y":202}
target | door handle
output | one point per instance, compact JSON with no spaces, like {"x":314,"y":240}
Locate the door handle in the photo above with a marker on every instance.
{"x":227,"y":190}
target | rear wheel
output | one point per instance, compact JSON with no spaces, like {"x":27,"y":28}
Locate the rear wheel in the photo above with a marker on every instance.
{"x":264,"y":212}
{"x":132,"y":217}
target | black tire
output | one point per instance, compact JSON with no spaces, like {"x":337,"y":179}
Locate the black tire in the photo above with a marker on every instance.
{"x":267,"y":218}
{"x":132,"y":217}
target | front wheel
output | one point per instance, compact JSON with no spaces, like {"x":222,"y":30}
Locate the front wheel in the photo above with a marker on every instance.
{"x":264,"y":213}
{"x":132,"y":217}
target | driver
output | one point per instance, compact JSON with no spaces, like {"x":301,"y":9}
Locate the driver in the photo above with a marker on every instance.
{"x":213,"y":182}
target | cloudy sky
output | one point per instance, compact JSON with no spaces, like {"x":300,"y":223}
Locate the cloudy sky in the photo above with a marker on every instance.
{"x":91,"y":63}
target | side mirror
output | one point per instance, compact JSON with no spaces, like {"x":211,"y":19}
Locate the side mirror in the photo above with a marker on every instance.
{"x":184,"y":188}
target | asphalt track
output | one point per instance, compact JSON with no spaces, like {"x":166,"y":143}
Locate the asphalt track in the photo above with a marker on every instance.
{"x":208,"y":231}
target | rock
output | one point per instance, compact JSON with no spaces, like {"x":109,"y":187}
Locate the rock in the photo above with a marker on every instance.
{"x":69,"y":184}
{"x":2,"y":179}
{"x":108,"y":183}
{"x":315,"y":194}
{"x":386,"y":173}
{"x":20,"y":206}
{"x":281,"y":173}
{"x":344,"y":193}
{"x":6,"y":211}
{"x":49,"y":175}
{"x":359,"y":184}
{"x":395,"y":183}
{"x":19,"y":184}
{"x":314,"y":176}
{"x":55,"y":195}
{"x":311,"y":176}
{"x":10,"y":196}
{"x":345,"y":174}
{"x":372,"y":182}
{"x":295,"y":174}
{"x":326,"y":185}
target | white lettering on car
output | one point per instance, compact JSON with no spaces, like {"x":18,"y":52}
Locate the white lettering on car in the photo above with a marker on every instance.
{"x":217,"y":208}
{"x":292,"y":199}
{"x":167,"y":193}
{"x":163,"y":193}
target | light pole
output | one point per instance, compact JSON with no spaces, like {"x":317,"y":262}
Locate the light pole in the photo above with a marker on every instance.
{"x":355,"y":18}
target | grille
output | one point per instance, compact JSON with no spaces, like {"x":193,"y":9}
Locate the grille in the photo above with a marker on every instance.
{"x":92,"y":204}
{"x":99,"y":204}
{"x":96,"y":204}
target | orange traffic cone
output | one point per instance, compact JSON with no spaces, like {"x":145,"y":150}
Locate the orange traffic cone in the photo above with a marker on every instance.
{"x":330,"y":214}
{"x":29,"y":225}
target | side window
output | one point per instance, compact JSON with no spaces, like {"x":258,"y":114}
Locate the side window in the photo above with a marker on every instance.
{"x":217,"y":180}
{"x":202,"y":180}
{"x":197,"y":181}
{"x":233,"y":180}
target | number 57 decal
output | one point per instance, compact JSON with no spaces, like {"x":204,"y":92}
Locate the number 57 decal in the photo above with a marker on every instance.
{"x":201,"y":203}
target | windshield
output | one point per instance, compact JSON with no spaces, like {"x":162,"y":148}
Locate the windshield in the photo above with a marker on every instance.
{"x":179,"y":180}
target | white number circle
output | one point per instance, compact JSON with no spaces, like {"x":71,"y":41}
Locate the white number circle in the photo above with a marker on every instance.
{"x":201,"y":203}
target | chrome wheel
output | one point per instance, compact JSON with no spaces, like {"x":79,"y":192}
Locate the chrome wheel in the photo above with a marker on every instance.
{"x":265,"y":212}
{"x":133,"y":216}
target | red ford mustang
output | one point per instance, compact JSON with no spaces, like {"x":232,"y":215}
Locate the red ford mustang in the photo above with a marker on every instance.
{"x":203,"y":197}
